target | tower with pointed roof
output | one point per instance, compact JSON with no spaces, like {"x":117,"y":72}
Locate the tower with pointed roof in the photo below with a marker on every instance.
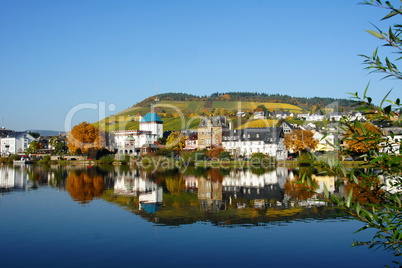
{"x":152,"y":122}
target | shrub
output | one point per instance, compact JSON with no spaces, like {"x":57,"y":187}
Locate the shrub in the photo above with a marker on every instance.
{"x":106,"y":159}
{"x":225,"y":155}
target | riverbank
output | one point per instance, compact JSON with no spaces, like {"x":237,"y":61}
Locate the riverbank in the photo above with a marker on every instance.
{"x":171,"y":163}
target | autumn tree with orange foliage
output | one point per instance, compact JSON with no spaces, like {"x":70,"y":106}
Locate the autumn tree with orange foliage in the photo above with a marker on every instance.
{"x":214,"y":152}
{"x":300,"y":141}
{"x":85,"y":136}
{"x":362,"y":137}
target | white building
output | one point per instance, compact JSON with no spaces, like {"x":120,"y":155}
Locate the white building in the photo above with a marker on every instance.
{"x":315,"y":117}
{"x":139,"y":141}
{"x":131,"y":141}
{"x":394,"y":140}
{"x":247,"y":141}
{"x":259,"y":115}
{"x":153,"y":123}
{"x":14,"y":143}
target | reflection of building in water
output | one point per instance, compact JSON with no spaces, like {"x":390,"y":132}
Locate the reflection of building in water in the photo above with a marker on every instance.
{"x":300,"y":194}
{"x":191,"y":183}
{"x":135,"y":183}
{"x":329,"y":181}
{"x":210,"y":194}
{"x":262,"y":188}
{"x":13,"y":178}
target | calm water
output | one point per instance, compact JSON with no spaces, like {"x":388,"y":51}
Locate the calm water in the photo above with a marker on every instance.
{"x":111,"y":216}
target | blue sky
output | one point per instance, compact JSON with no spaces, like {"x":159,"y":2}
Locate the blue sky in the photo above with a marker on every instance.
{"x":56,"y":56}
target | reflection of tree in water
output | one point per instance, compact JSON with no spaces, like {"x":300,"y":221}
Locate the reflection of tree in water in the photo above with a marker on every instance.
{"x":83,"y":186}
{"x":37,"y":175}
{"x":175,"y":184}
{"x":298,"y":190}
{"x":367,"y":190}
{"x":215,"y":174}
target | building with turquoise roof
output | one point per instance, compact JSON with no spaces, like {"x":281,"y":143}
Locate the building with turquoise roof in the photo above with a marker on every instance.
{"x":152,"y":122}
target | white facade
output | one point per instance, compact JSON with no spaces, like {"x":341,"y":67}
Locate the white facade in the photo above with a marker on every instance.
{"x":129,"y":141}
{"x":259,"y":115}
{"x":245,"y":142}
{"x":15,"y":143}
{"x":247,"y":148}
{"x":152,"y":127}
{"x":315,"y":117}
{"x":152,"y":122}
{"x":394,"y":141}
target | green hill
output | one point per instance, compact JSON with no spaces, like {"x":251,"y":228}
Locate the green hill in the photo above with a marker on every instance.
{"x":183,"y":111}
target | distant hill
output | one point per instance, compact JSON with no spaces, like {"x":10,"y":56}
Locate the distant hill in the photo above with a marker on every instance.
{"x":172,"y":107}
{"x":45,"y":132}
{"x":301,"y":102}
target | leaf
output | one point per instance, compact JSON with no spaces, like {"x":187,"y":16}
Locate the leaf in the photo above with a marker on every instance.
{"x":391,"y":14}
{"x":349,"y":199}
{"x":387,"y":109}
{"x":365,"y":91}
{"x":358,"y":208}
{"x":376,"y":34}
{"x":375,"y":53}
{"x":386,"y":96}
{"x":326,"y":193}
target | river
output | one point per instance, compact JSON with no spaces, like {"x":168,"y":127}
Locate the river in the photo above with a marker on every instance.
{"x":103,"y":216}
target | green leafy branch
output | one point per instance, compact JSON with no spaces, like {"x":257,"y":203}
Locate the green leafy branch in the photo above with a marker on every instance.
{"x":391,"y":38}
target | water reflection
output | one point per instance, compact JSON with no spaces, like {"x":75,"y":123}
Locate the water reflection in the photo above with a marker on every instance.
{"x":136,"y":183}
{"x":230,"y":196}
{"x":222,"y":196}
{"x":13,"y":179}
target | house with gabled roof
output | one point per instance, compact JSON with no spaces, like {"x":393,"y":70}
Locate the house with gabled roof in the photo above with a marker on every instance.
{"x":245,"y":142}
{"x":393,"y":135}
{"x":15,"y":142}
{"x":210,"y":131}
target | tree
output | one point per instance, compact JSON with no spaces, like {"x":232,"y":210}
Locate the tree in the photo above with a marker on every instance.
{"x":375,"y":191}
{"x":59,"y":147}
{"x":176,"y":141}
{"x":33,"y":147}
{"x":214,"y":152}
{"x":34,"y":134}
{"x":262,"y":108}
{"x":224,"y":155}
{"x":299,"y":141}
{"x":223,"y":112}
{"x":85,"y":136}
{"x":362,"y":137}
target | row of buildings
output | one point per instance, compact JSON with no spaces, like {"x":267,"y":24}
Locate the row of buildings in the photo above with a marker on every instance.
{"x":217,"y":131}
{"x":212,"y":132}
